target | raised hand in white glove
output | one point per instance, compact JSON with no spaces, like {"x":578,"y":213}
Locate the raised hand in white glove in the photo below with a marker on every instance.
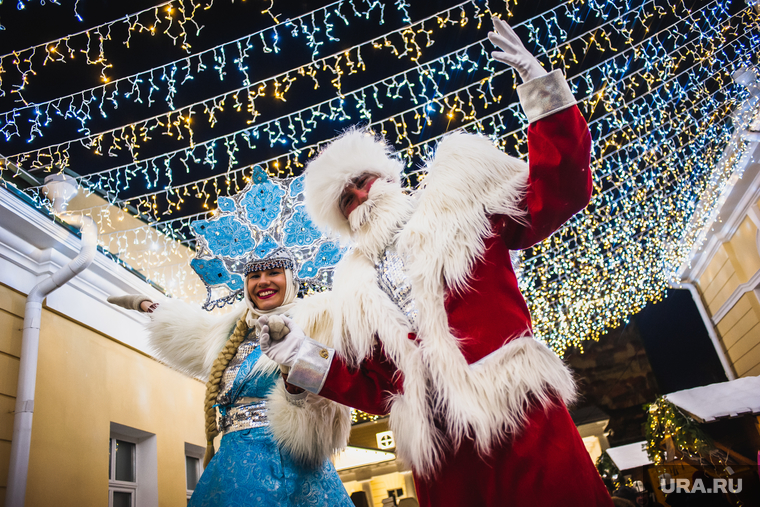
{"x":285,"y":350}
{"x":513,"y":52}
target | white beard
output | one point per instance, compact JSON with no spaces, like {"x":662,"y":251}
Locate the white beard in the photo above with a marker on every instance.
{"x":375,"y":222}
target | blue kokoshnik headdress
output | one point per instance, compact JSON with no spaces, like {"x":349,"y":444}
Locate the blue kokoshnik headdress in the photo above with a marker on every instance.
{"x":262,"y":227}
{"x":280,"y":258}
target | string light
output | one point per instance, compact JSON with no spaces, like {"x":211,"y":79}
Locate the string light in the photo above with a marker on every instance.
{"x":357,"y":417}
{"x":164,"y":80}
{"x":454,"y":63}
{"x":150,"y":20}
{"x":661,"y":109}
{"x":78,"y":106}
{"x":667,"y":421}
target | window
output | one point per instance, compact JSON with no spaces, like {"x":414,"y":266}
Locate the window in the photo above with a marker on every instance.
{"x":385,"y":440}
{"x":395,"y":494}
{"x":193,"y":466}
{"x":132,"y":468}
{"x":122,"y":481}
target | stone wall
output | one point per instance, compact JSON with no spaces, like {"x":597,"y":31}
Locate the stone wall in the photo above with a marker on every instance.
{"x":615,"y":375}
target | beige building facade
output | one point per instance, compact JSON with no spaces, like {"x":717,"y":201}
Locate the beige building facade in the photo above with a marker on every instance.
{"x":723,"y":272}
{"x":110,"y":423}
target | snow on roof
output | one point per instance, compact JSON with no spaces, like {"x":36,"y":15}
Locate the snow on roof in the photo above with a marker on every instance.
{"x":629,"y":456}
{"x":353,"y":457}
{"x":720,"y":401}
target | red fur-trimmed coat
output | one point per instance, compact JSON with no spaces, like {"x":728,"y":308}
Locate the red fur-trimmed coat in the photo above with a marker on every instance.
{"x":476,"y":404}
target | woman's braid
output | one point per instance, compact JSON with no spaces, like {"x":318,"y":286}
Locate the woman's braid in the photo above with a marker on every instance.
{"x":214,"y":380}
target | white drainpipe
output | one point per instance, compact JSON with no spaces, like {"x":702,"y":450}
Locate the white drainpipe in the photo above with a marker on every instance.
{"x":59,"y":190}
{"x":730,"y":375}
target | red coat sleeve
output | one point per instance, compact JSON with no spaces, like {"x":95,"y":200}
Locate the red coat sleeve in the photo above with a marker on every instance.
{"x":559,"y":181}
{"x":367,"y":388}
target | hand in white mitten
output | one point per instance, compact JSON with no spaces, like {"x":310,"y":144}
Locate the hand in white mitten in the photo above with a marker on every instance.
{"x":277,"y":328}
{"x":285,"y":350}
{"x":513,"y":52}
{"x":133,"y":302}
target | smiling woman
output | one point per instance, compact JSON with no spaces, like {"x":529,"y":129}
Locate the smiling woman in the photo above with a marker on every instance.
{"x":267,"y":288}
{"x":276,"y":438}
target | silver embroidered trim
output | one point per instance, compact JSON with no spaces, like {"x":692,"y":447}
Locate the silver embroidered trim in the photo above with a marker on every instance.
{"x":299,"y":400}
{"x":311,"y":366}
{"x":263,"y":265}
{"x":545,"y":95}
{"x":245,"y":416}
{"x":228,"y":377}
{"x":392,"y":279}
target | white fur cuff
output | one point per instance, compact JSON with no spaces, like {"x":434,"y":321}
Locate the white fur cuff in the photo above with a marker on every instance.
{"x":187,"y":338}
{"x":311,"y":431}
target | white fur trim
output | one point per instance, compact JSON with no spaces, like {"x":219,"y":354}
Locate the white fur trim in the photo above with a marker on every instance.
{"x":362,"y":311}
{"x":312,"y":432}
{"x":469,"y":180}
{"x":314,"y":315}
{"x":188,"y":338}
{"x":488,"y":402}
{"x":355,"y":152}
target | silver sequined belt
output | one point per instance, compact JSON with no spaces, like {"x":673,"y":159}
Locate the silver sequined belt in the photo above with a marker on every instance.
{"x":247,"y":413}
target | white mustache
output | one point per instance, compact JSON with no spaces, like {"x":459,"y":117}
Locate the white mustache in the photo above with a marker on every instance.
{"x":363,"y":213}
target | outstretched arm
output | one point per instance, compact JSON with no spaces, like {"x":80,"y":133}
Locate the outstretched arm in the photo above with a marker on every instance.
{"x":183,"y":336}
{"x":559,"y":146}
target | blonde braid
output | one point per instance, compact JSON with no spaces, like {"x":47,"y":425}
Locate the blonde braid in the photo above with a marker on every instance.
{"x":214,"y":379}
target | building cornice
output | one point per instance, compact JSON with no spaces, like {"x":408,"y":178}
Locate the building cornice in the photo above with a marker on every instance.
{"x":33,"y":246}
{"x":737,"y":204}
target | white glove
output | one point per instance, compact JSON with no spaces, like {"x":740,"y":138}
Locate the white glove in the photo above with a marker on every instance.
{"x":284,"y":351}
{"x":133,"y":302}
{"x":277,"y":328}
{"x":513,"y":52}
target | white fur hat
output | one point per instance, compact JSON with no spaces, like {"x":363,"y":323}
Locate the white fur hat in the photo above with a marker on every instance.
{"x":354,"y":153}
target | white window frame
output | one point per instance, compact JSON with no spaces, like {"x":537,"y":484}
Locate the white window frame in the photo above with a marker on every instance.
{"x":198,"y":452}
{"x":119,"y":489}
{"x":145,"y":487}
{"x":121,"y":486}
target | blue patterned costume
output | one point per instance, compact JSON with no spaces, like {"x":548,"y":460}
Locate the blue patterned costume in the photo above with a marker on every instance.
{"x":249,"y":468}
